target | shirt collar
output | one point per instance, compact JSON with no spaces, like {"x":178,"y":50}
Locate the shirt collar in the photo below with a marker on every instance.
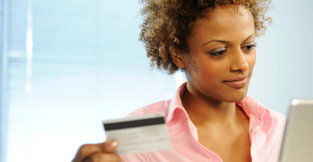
{"x":257,"y":113}
{"x":176,"y":102}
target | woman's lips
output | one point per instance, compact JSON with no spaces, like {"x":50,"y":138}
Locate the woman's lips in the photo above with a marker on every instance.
{"x":238,"y":82}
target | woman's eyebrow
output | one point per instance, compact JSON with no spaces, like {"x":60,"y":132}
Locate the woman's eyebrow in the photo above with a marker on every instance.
{"x":215,"y":40}
{"x":253,"y":34}
{"x":226,"y":42}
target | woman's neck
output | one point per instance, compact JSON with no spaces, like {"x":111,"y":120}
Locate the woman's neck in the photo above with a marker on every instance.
{"x":204,"y":111}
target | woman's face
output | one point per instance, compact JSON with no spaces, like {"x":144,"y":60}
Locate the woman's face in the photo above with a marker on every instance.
{"x":221,"y":55}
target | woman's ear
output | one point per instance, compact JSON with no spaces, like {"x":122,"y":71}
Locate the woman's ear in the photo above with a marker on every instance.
{"x":179,"y":61}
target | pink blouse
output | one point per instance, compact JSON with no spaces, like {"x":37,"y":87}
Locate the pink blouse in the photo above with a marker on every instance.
{"x":266,"y":128}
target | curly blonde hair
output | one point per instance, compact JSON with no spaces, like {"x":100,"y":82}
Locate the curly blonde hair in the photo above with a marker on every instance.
{"x":168,"y":23}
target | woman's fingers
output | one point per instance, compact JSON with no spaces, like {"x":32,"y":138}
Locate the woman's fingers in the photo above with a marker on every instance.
{"x":85,"y":151}
{"x":103,"y":157}
{"x":88,"y":150}
{"x":108,"y":146}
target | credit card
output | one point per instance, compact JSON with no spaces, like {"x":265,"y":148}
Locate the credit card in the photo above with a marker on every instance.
{"x":137,"y":134}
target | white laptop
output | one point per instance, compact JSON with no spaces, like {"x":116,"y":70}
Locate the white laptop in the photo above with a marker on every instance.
{"x":298,"y":139}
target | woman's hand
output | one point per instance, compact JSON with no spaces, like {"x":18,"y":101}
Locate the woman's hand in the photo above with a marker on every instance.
{"x":102,"y":152}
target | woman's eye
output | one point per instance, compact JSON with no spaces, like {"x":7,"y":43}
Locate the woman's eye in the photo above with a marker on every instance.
{"x":249,"y":48}
{"x":218,"y":53}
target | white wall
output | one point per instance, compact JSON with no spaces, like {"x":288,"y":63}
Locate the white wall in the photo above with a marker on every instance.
{"x":284,"y":68}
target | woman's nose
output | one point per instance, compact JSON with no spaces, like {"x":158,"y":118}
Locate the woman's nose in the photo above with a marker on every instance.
{"x":239,"y":61}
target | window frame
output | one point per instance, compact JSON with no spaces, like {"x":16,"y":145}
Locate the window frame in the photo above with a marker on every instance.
{"x":3,"y":78}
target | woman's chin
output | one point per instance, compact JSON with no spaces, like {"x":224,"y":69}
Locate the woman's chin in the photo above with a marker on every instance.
{"x":236,"y":97}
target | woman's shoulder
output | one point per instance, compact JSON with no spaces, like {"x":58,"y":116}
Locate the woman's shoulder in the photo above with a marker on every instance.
{"x":157,"y":107}
{"x":279,"y":117}
{"x":278,"y":122}
{"x":268,"y":125}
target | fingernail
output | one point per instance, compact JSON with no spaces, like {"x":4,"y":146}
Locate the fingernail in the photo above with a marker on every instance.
{"x":111,"y":145}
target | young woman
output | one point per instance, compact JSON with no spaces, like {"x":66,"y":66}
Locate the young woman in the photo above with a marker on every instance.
{"x":210,"y":118}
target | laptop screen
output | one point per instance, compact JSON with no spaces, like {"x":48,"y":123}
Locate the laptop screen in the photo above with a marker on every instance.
{"x":297,"y":145}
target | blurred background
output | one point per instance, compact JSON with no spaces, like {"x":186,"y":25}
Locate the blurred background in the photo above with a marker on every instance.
{"x":66,"y":65}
